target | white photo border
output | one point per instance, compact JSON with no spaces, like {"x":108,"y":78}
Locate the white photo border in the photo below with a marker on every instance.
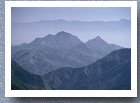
{"x":70,"y":93}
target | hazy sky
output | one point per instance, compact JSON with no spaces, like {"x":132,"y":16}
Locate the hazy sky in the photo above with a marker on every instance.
{"x":33,"y":14}
{"x":30,"y":14}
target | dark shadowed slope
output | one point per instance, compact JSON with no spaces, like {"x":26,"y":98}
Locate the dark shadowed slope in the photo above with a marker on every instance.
{"x":112,"y":72}
{"x":23,"y":80}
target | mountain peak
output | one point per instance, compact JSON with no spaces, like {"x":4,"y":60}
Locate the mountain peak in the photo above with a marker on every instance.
{"x":49,"y":35}
{"x":125,"y":20}
{"x":99,"y":44}
{"x":62,"y":33}
{"x":62,"y":40}
{"x":98,"y":37}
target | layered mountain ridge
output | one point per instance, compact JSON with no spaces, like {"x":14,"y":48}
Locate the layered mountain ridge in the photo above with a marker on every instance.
{"x":118,"y":30}
{"x":51,"y":52}
{"x":113,"y":72}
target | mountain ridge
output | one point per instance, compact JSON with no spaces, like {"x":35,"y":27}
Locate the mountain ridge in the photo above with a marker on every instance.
{"x":61,"y":34}
{"x":80,"y":29}
{"x":108,"y":73}
{"x":74,"y":21}
{"x":56,"y":51}
{"x":99,"y":44}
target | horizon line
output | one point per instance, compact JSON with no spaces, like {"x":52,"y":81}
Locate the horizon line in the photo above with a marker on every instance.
{"x":72,"y":20}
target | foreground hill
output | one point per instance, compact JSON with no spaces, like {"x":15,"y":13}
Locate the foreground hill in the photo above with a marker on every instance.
{"x":23,"y":80}
{"x":113,"y":72}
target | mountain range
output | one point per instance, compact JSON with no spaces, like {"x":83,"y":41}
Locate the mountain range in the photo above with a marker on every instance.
{"x":112,"y":72}
{"x":112,"y":31}
{"x":51,"y":52}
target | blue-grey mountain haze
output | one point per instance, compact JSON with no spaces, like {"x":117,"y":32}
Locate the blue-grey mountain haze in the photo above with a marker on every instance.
{"x":113,"y":24}
{"x":33,"y":14}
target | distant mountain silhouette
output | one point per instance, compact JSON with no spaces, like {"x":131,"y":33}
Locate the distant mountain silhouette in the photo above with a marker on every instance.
{"x":27,"y":32}
{"x":113,"y":72}
{"x":43,"y":55}
{"x":23,"y":80}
